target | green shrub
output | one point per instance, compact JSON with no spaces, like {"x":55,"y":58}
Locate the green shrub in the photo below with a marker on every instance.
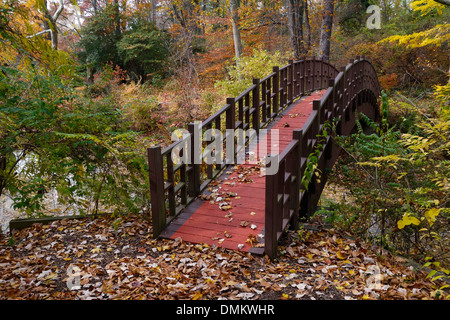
{"x":399,"y":183}
{"x":258,"y":66}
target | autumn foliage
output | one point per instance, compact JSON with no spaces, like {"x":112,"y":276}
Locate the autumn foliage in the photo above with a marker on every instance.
{"x":87,"y":86}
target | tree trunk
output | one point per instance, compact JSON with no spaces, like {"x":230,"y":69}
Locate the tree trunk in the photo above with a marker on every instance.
{"x":153,"y":13}
{"x":325,"y":34}
{"x":184,"y":15}
{"x":308,"y":27}
{"x":94,"y":5}
{"x":50,"y":22}
{"x":295,"y":25}
{"x":2,"y":173}
{"x":236,"y":32}
{"x":117,"y":17}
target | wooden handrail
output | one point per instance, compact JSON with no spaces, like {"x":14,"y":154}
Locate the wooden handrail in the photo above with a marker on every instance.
{"x":355,"y":86}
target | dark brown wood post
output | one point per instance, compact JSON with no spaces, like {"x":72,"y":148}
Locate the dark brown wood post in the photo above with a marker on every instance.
{"x":276,"y":89}
{"x":231,"y":114}
{"x":290,"y":80}
{"x":283,"y":96}
{"x":157,"y":197}
{"x":263,"y":102}
{"x":195,"y":160}
{"x":303,"y":76}
{"x":230,"y":125}
{"x":313,"y":80}
{"x":316,"y":106}
{"x":271,"y":213}
{"x":344,"y":93}
{"x":332,"y":98}
{"x":256,"y":119}
{"x":297,"y":134}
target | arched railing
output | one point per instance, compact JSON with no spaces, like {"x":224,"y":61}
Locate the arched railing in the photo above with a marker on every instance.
{"x":355,"y":88}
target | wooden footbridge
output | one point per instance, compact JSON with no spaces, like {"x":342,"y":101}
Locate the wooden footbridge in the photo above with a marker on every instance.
{"x":233,"y":191}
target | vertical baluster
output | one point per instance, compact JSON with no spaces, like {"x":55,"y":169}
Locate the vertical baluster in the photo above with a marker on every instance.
{"x":264,"y":102}
{"x":171,"y":181}
{"x":290,"y":81}
{"x":271,"y":209}
{"x":241,"y":112}
{"x":219,"y":153}
{"x":332,"y":98}
{"x":229,"y":134}
{"x":280,"y":196}
{"x":247,"y":106}
{"x":269,"y":97}
{"x":283,"y":94}
{"x":302,"y":76}
{"x":296,"y":80}
{"x":276,"y":89}
{"x":231,"y":114}
{"x":313,"y":69}
{"x":256,"y":106}
{"x":209,"y":167}
{"x":195,"y":160}
{"x":297,"y":135}
{"x":157,"y":196}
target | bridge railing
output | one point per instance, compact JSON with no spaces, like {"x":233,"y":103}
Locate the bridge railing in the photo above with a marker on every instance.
{"x":173,"y":185}
{"x":356,"y":85}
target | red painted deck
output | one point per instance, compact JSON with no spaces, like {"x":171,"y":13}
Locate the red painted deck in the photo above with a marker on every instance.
{"x":242,"y":187}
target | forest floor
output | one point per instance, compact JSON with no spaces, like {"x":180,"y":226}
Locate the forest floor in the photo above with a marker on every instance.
{"x":116,"y":258}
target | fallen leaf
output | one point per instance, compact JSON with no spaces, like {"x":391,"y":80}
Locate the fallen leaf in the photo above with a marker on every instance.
{"x":197,"y":295}
{"x":340,"y":255}
{"x":244,"y":223}
{"x":96,"y":250}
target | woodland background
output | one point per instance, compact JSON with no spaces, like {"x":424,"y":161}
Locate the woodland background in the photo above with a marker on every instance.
{"x":87,"y":86}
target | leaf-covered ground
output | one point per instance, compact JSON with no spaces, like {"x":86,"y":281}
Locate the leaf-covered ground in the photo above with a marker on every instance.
{"x":108,"y":258}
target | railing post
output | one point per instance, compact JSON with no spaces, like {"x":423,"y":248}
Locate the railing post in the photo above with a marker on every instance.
{"x":256,"y":105}
{"x":157,"y":198}
{"x":231,"y":114}
{"x":316,"y":106}
{"x":297,"y":134}
{"x":276,"y":89}
{"x":290,"y":80}
{"x":332,"y":98}
{"x":230,"y":124}
{"x":321,"y":76}
{"x":271,"y":212}
{"x":303,"y":76}
{"x":195,"y":160}
{"x":344,"y":92}
{"x":283,"y":83}
{"x":313,"y":80}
